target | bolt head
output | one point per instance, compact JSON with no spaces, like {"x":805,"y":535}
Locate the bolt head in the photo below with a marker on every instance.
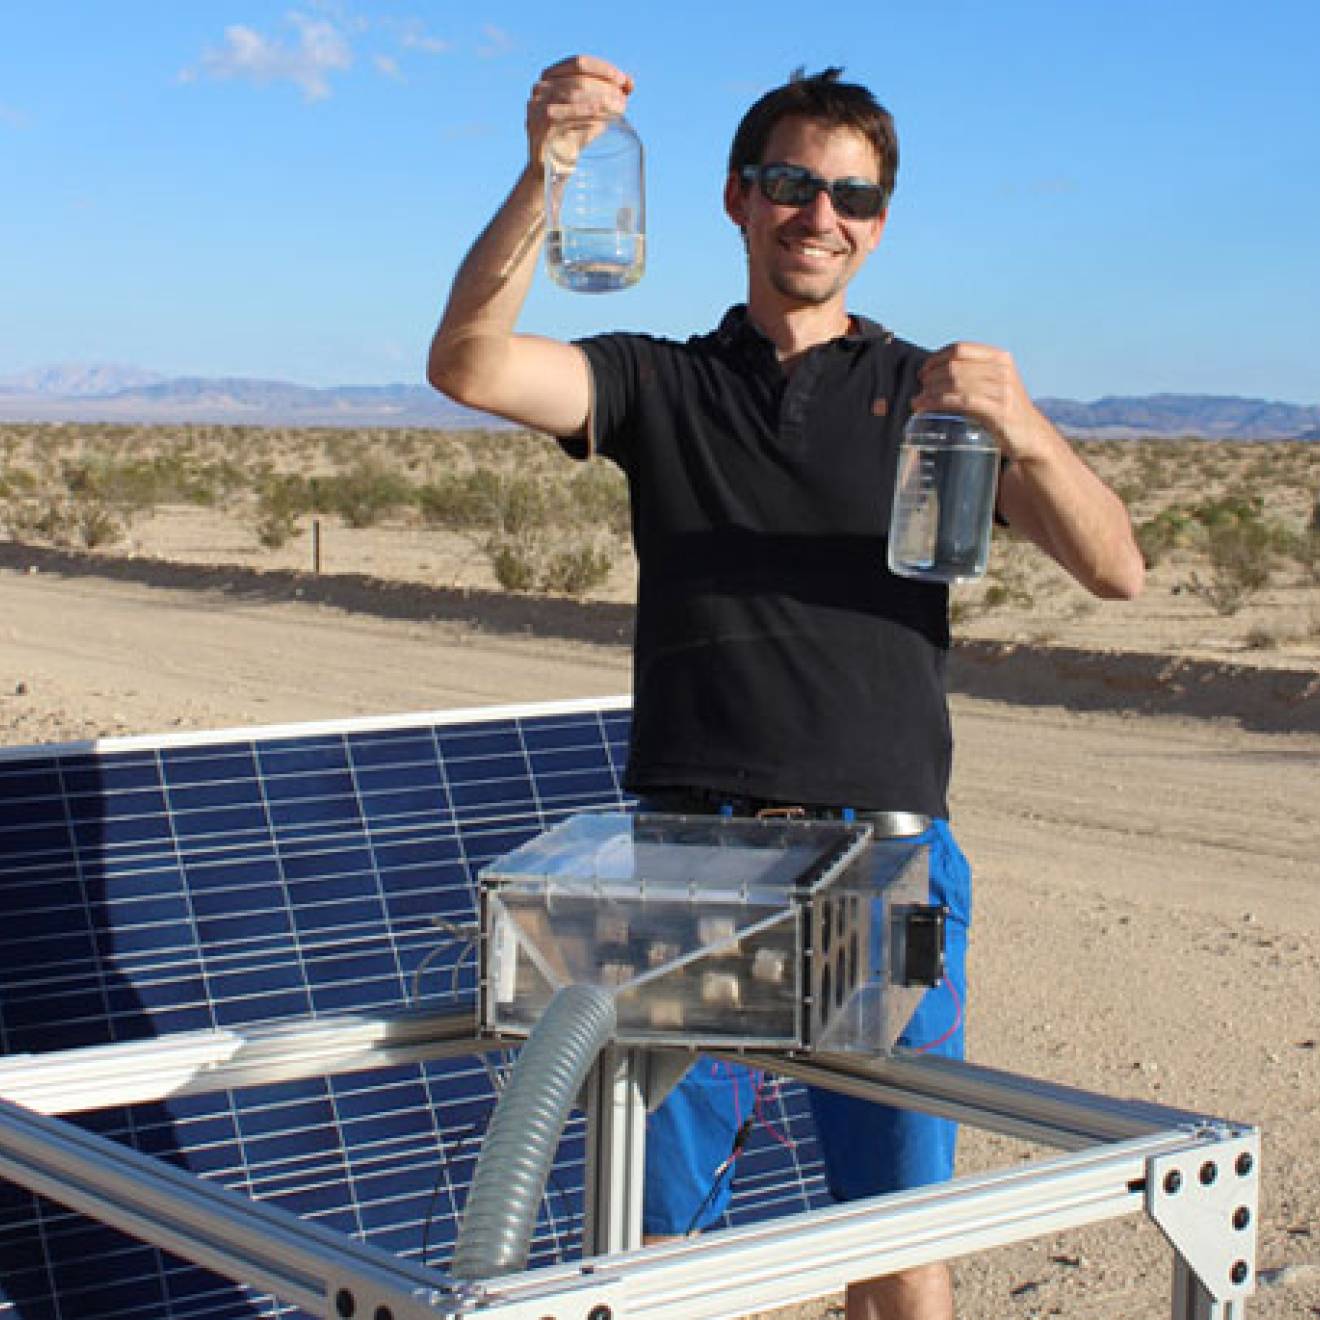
{"x":1173,"y":1182}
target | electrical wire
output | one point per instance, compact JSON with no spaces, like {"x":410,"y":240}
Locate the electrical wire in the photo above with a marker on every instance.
{"x":447,"y":1159}
{"x":766,"y":1088}
{"x":957,"y":1020}
{"x":458,"y":933}
{"x":739,"y":1141}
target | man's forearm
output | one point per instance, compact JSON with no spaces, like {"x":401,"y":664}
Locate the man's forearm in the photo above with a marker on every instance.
{"x":490,"y":288}
{"x":1054,"y":498}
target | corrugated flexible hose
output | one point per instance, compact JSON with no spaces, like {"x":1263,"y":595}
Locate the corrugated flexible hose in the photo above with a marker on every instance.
{"x":514,"y":1165}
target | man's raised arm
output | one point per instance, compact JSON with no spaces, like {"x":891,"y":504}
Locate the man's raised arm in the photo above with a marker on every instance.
{"x":476,"y":355}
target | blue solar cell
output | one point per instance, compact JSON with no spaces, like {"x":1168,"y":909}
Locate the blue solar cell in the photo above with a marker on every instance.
{"x":223,"y":883}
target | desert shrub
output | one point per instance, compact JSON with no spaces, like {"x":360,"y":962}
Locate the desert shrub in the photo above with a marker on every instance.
{"x":569,"y":566}
{"x":17,"y":483}
{"x":1130,"y":492}
{"x":41,"y":519}
{"x":136,"y":484}
{"x":1006,"y":579}
{"x":523,"y":505}
{"x":575,"y":570}
{"x":282,"y":501}
{"x":1240,"y":555}
{"x":1160,"y":534}
{"x":365,"y":494}
{"x":86,"y":523}
{"x":539,"y":531}
{"x":1307,"y":550}
{"x":494,"y":502}
{"x":513,"y":561}
{"x":459,"y":501}
{"x":1261,"y":639}
{"x":95,"y":523}
{"x":598,"y":495}
{"x":1232,"y":510}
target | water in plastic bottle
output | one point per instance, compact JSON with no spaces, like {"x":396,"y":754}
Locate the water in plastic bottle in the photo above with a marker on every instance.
{"x":944,"y":499}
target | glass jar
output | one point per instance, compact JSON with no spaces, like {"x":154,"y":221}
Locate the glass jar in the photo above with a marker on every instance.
{"x":595,"y":206}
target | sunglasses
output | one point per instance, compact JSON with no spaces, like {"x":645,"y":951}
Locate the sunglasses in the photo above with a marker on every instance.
{"x":795,"y":185}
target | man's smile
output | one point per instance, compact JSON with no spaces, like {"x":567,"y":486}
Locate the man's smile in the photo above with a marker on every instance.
{"x":812,"y":249}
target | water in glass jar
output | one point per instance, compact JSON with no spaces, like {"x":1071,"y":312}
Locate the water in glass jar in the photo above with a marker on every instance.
{"x":595,"y":260}
{"x":943,"y":512}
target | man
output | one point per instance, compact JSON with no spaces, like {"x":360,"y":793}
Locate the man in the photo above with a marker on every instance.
{"x":777,"y":661}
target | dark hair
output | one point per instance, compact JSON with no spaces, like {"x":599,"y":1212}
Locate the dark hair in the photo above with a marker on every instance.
{"x":822,"y":97}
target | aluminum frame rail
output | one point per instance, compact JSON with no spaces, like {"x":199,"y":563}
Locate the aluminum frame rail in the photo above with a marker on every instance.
{"x":1196,"y":1176}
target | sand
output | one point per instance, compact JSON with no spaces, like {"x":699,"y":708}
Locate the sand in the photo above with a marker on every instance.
{"x":1148,"y":882}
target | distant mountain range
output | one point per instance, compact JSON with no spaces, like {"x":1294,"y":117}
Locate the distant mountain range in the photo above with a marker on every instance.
{"x":108,"y":393}
{"x":104,"y":392}
{"x":1213,"y":416}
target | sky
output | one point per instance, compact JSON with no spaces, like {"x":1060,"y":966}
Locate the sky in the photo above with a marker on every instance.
{"x":1123,"y":193}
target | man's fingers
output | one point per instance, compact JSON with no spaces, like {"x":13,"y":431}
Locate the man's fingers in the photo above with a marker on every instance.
{"x":589,"y":66}
{"x":965,"y":352}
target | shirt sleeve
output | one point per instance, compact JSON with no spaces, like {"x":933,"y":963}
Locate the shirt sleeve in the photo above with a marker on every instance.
{"x":613,"y":364}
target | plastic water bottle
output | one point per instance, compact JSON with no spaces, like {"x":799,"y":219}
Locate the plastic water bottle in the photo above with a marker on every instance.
{"x":595,"y":206}
{"x":944,"y":499}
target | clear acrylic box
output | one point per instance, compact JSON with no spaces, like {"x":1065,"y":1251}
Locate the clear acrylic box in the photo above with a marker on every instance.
{"x":711,"y":931}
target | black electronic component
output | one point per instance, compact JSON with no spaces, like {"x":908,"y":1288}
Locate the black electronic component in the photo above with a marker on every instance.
{"x":922,"y":944}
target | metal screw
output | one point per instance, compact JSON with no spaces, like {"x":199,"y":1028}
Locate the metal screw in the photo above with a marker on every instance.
{"x":1241,"y":1218}
{"x":345,"y":1304}
{"x":601,"y":1312}
{"x":1173,"y":1182}
{"x":384,"y":1313}
{"x":1209,"y":1172}
{"x":1245,"y":1164}
{"x":1240,"y":1272}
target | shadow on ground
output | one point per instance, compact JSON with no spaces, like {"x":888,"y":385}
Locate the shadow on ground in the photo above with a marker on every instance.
{"x":1136,"y":683}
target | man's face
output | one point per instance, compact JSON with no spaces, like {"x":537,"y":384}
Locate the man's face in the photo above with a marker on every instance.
{"x":806,"y":254}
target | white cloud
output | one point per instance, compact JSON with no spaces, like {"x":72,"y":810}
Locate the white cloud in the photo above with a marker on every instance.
{"x":319,"y":50}
{"x":414,"y":36}
{"x":388,"y":67}
{"x":497,"y":42}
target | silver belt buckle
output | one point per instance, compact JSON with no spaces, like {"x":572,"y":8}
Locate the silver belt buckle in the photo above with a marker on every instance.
{"x":894,"y":824}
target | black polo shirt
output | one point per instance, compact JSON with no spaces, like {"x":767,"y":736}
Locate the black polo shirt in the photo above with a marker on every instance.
{"x":776,"y":656}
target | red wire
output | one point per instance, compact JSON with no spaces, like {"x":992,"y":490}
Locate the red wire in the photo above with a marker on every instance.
{"x":759,"y":1111}
{"x":957,"y":1020}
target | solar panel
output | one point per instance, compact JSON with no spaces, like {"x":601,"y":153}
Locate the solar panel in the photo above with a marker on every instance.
{"x":243,"y":878}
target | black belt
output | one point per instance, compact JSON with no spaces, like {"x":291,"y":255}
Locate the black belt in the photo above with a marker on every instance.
{"x":713,"y":802}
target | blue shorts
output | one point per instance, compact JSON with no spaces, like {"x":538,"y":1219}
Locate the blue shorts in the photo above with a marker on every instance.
{"x":867,"y":1148}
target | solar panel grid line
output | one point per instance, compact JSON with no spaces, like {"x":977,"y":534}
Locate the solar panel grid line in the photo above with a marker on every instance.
{"x":360,"y":1228}
{"x":248,"y":1174}
{"x":399,"y":944}
{"x":85,"y":903}
{"x":195,"y":959}
{"x":354,"y":822}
